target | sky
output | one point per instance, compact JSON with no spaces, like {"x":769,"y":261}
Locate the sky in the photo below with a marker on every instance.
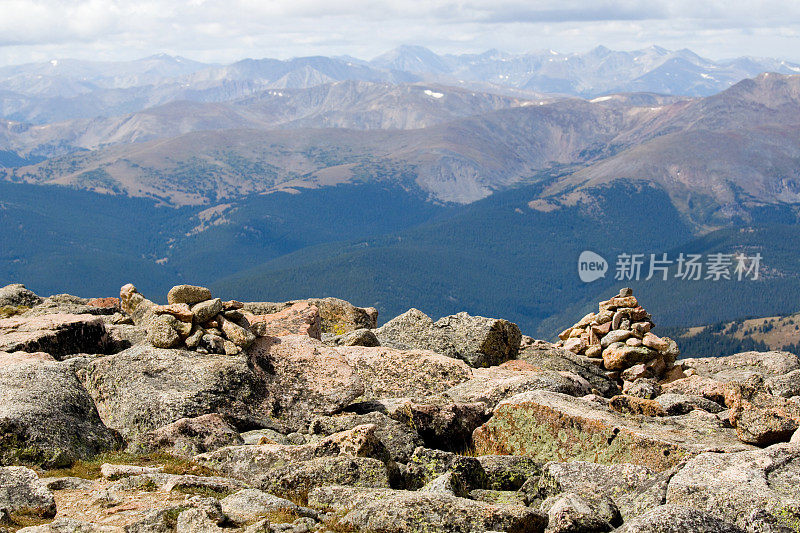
{"x":225,"y":31}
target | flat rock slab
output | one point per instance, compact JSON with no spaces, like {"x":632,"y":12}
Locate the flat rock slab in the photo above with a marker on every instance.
{"x":497,"y":383}
{"x":741,"y":366}
{"x":550,"y":426}
{"x":400,"y":511}
{"x":58,"y":334}
{"x":392,"y":373}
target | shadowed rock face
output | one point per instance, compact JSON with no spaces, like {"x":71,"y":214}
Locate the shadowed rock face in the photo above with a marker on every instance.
{"x":554,"y":427}
{"x":60,"y":335}
{"x":46,"y":416}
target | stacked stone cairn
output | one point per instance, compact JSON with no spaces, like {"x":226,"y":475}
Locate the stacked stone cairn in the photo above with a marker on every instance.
{"x":618,"y":338}
{"x":191,"y":319}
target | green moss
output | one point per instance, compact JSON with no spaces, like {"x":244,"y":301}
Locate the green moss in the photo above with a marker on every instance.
{"x":90,"y":468}
{"x":789,"y":515}
{"x":170,"y":516}
{"x":545,"y":436}
{"x":7,"y":311}
{"x":149,"y":486}
{"x":23,"y":518}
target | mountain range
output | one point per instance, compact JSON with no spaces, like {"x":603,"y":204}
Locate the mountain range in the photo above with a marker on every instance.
{"x":467,"y":182}
{"x":63,"y":89}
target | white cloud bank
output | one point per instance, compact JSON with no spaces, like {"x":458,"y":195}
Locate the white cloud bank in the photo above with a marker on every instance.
{"x":214,"y":30}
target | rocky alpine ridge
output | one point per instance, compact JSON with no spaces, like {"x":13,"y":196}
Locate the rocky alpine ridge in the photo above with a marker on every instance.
{"x":306,"y":416}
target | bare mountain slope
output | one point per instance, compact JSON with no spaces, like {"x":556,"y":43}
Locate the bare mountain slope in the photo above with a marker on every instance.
{"x":716,"y":157}
{"x":459,"y":161}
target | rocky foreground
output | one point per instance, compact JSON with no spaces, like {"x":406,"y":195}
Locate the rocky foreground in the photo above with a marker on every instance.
{"x":204,"y":415}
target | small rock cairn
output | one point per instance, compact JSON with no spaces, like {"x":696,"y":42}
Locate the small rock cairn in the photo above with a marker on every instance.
{"x":191,"y":319}
{"x":618,"y":339}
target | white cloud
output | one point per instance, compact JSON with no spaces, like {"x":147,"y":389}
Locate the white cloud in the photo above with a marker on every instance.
{"x":219,"y":30}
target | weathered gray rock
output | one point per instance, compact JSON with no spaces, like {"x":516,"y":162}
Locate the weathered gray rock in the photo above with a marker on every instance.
{"x":339,"y":316}
{"x":163,"y":520}
{"x":60,"y":335}
{"x":171,"y":482}
{"x":71,"y":525}
{"x":396,"y":511}
{"x":548,"y":356}
{"x":448,"y":483}
{"x":741,"y":366}
{"x":759,"y":417}
{"x":249,"y":505}
{"x":46,"y":416}
{"x":21,"y":491}
{"x":206,"y":310}
{"x":737,"y":485}
{"x":497,"y":497}
{"x":632,"y":488}
{"x":477,"y":340}
{"x":681,"y":404}
{"x":16,"y":295}
{"x":144,"y":388}
{"x":426,"y":465}
{"x":305,"y":378}
{"x":784,"y":385}
{"x":619,"y":356}
{"x":236,"y":333}
{"x":359,"y":337}
{"x":492,"y":385}
{"x":400,"y":439}
{"x":336,"y":316}
{"x":162,"y":331}
{"x":387,"y":372}
{"x":134,"y":304}
{"x":67,"y":304}
{"x":188,"y":437}
{"x":301,"y":318}
{"x":67,"y":483}
{"x":696,"y":385}
{"x":580,"y":513}
{"x":188,"y":294}
{"x":196,"y":521}
{"x":112,"y":471}
{"x":295,"y":481}
{"x":253,"y":463}
{"x":551,"y":426}
{"x":677,"y":519}
{"x":642,"y":388}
